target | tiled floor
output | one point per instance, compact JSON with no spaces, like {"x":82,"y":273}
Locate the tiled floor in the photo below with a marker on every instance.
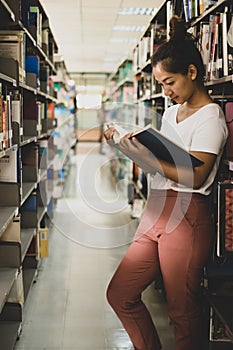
{"x":66,"y":308}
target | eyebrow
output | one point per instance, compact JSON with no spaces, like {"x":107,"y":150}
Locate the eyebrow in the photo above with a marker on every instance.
{"x":164,"y":80}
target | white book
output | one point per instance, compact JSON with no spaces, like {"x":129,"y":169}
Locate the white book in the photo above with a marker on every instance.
{"x":8,"y":167}
{"x":224,"y":35}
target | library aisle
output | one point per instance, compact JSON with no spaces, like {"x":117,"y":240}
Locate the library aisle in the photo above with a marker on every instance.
{"x":92,"y":227}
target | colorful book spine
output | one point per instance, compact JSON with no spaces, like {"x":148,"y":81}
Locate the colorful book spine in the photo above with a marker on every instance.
{"x":225,"y":49}
{"x":1,"y":118}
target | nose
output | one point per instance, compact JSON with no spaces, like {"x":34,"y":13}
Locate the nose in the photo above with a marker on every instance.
{"x":167,"y":90}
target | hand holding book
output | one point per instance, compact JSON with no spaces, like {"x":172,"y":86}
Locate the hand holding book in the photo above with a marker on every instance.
{"x":119,"y":138}
{"x":161,"y":147}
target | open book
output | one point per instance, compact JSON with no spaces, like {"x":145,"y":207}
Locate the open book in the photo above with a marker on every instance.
{"x":165,"y":149}
{"x":162,"y":147}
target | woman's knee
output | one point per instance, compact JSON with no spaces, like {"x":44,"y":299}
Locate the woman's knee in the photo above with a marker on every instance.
{"x":110,"y":295}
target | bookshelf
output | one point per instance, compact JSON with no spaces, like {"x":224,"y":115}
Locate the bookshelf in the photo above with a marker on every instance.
{"x":30,"y":127}
{"x":210,"y":22}
{"x":119,"y":107}
{"x":119,"y":86}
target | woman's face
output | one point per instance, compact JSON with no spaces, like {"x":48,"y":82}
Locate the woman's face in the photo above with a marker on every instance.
{"x":178,"y":87}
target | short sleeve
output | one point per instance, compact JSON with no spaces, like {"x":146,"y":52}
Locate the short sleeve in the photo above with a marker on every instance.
{"x":211,"y":133}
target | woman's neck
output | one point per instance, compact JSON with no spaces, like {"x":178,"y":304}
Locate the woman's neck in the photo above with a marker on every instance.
{"x":198,"y":100}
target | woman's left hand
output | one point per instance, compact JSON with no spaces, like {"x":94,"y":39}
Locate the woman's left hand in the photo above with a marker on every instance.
{"x":136,"y":151}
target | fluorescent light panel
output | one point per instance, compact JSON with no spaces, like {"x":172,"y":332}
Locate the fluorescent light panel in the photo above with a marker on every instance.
{"x":129,"y":28}
{"x":139,"y":11}
{"x":123,"y":40}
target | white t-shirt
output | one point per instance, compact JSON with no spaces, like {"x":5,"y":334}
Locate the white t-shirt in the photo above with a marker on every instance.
{"x":204,"y":131}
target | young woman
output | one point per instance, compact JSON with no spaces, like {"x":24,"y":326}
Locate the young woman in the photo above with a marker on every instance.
{"x":175,"y":234}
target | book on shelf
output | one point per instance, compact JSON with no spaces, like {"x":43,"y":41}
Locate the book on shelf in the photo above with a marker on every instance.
{"x":13,"y":45}
{"x":11,"y":167}
{"x":45,"y":40}
{"x":6,"y":120}
{"x":1,"y":118}
{"x":225,"y":224}
{"x":157,"y":36}
{"x":224,"y":49}
{"x":17,"y":105}
{"x":44,"y":242}
{"x":212,"y":74}
{"x":35,"y":23}
{"x":31,"y":203}
{"x":215,"y":45}
{"x":32,"y":68}
{"x":192,"y":8}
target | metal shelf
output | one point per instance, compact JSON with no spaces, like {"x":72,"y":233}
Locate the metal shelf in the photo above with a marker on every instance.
{"x":7,"y":278}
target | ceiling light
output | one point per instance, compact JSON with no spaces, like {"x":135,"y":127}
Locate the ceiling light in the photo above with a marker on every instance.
{"x":139,"y":11}
{"x":129,"y":28}
{"x":124,"y":40}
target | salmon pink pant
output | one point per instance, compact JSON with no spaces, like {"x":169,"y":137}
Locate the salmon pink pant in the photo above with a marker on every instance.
{"x":174,"y":238}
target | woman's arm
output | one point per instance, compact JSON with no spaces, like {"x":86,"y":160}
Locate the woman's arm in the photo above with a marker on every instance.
{"x":148,"y":162}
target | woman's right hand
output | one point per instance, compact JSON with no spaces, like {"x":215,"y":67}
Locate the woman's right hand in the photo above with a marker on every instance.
{"x":108,"y":134}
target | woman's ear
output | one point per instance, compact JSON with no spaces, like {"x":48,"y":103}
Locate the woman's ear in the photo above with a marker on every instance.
{"x":192,"y":71}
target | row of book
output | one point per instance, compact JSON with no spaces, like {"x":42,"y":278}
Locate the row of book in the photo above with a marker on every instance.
{"x":147,"y":45}
{"x":33,"y":18}
{"x":194,"y":8}
{"x":125,"y":71}
{"x":216,"y":45}
{"x":146,"y":86}
{"x":8,"y":113}
{"x":31,"y":70}
{"x":21,"y":114}
{"x":28,"y":163}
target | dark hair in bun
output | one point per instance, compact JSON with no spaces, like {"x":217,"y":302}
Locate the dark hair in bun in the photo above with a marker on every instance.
{"x":179,"y":51}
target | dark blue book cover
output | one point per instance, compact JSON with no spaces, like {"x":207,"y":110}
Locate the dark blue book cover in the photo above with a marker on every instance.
{"x":32,"y":65}
{"x":31,"y":203}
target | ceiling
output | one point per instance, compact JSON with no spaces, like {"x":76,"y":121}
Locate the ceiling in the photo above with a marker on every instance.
{"x":85,"y":35}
